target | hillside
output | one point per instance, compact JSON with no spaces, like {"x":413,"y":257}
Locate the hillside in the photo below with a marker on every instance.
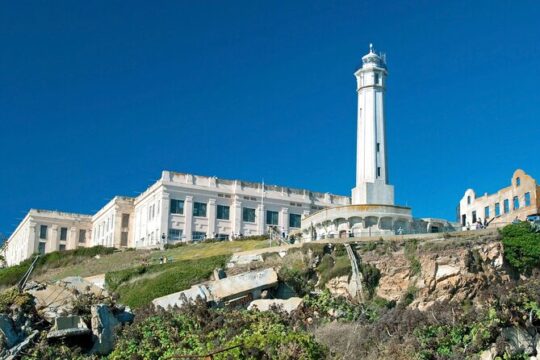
{"x":469,"y":296}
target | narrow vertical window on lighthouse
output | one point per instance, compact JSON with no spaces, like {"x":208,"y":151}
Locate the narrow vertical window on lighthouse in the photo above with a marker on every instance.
{"x":379,"y":171}
{"x":378,"y":147}
{"x":376,"y":79}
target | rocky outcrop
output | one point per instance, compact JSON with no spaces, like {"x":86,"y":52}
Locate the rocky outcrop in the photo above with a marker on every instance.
{"x":104,"y":325}
{"x":456,"y":274}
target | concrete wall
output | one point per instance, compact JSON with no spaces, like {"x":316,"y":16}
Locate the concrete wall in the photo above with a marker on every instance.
{"x":471,"y":203}
{"x":107,"y":227}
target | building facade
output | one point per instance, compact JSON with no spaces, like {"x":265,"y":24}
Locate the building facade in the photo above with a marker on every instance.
{"x":186,"y":207}
{"x":111,"y":225}
{"x":178,"y":207}
{"x":44,"y":231}
{"x":519,"y":200}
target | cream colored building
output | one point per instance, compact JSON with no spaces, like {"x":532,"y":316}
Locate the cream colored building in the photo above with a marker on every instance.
{"x":519,"y":200}
{"x":186,"y":207}
{"x":44,"y":231}
{"x":112,"y":225}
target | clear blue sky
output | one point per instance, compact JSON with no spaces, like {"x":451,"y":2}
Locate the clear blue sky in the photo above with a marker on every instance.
{"x":97,"y":97}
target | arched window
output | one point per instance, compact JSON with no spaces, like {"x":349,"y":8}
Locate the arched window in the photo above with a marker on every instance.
{"x":518,"y":181}
{"x":469,"y":199}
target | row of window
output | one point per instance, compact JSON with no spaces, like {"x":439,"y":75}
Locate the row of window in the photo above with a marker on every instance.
{"x":506,"y":206}
{"x":223,"y":213}
{"x":43,"y":233}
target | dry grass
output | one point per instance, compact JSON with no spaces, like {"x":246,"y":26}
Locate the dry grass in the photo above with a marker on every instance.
{"x":128,"y":259}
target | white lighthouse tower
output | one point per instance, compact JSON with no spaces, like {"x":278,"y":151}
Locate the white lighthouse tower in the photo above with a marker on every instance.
{"x":371,"y":169}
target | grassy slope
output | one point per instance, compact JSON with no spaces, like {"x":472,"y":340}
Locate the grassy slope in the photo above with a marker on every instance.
{"x":130,"y":259}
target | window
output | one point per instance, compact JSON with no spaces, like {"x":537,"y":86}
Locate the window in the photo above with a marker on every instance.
{"x":527,"y":199}
{"x":63,"y":234}
{"x":62,"y":247}
{"x":199,"y":209}
{"x":486,"y":212}
{"x":175,"y":234}
{"x":43,"y":231}
{"x":248,"y":215}
{"x":271,"y":217}
{"x":82,"y":236}
{"x":198,"y":236}
{"x":223,"y":212}
{"x":41,"y":247}
{"x":515,"y":202}
{"x":518,"y":181}
{"x":294,"y":220}
{"x":125,"y":220}
{"x":177,"y":206}
{"x":506,"y":206}
{"x":497,"y":209}
{"x":474,"y":217}
{"x":378,"y":147}
{"x":123,"y":238}
{"x":222,"y":237}
{"x":469,"y":200}
{"x":376,"y":81}
{"x":378,"y":171}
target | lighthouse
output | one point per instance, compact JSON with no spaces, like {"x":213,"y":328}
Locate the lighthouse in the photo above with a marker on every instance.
{"x":372,"y":186}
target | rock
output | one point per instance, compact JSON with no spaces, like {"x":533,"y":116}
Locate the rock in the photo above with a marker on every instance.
{"x":489,"y":354}
{"x":125,"y":315}
{"x":519,"y":340}
{"x":8,"y":331}
{"x":288,"y":305}
{"x":340,"y":286}
{"x":68,"y":326}
{"x":446,"y":271}
{"x":104,"y":324}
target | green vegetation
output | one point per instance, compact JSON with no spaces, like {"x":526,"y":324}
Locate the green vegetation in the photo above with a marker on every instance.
{"x":198,"y":330}
{"x":161,"y":279}
{"x":11,"y":275}
{"x":371,"y":276}
{"x":410,"y":250}
{"x":521,"y":247}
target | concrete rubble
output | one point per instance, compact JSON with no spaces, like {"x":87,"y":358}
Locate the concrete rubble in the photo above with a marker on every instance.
{"x":244,"y":259}
{"x":72,"y":308}
{"x":233,"y":289}
{"x":288,"y":305}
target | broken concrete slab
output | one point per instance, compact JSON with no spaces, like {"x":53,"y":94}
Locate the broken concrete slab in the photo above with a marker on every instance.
{"x":244,"y":259}
{"x":13,"y":353}
{"x":252,"y":282}
{"x":97,"y":280}
{"x":7,"y":329}
{"x":53,"y":301}
{"x":68,"y":326}
{"x":104,"y":324}
{"x":81,"y":285}
{"x":182,"y":297}
{"x":288,"y":305}
{"x":224,"y":290}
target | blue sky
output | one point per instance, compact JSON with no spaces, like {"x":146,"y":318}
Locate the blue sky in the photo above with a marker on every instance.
{"x":96,"y":98}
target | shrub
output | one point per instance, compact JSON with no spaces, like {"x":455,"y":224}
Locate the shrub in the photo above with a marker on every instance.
{"x":198,"y":330}
{"x":297,"y":279}
{"x":341,"y":267}
{"x":521,"y":247}
{"x":371,"y":276}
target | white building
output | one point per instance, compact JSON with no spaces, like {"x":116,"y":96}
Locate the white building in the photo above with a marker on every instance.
{"x":43,"y":231}
{"x":185,"y":207}
{"x":111,"y":226}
